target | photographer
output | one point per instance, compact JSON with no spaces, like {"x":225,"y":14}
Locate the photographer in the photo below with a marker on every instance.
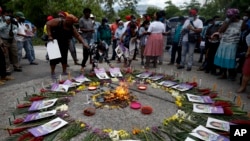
{"x":7,"y":31}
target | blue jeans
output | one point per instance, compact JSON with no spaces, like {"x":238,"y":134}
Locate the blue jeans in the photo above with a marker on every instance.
{"x":28,"y":49}
{"x":187,"y":50}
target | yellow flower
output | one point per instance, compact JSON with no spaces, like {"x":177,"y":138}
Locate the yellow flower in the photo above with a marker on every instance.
{"x":174,"y":117}
{"x":147,"y":128}
{"x":81,"y":88}
{"x":107,"y":130}
{"x":178,"y":98}
{"x":178,"y":103}
{"x":82,"y":125}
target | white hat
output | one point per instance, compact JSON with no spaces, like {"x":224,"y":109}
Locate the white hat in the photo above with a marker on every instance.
{"x":92,"y":16}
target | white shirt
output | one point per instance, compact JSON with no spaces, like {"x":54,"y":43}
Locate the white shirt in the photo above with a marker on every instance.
{"x":21,"y":30}
{"x":156,"y":27}
{"x":197,"y":23}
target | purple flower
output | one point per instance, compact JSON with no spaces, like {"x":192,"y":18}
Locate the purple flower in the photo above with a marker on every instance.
{"x":155,"y":129}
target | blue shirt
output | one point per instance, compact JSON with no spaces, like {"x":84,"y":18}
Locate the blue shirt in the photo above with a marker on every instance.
{"x":177,"y":33}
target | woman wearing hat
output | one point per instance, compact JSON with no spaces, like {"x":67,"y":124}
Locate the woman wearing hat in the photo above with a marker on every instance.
{"x":230,"y":36}
{"x":63,"y":30}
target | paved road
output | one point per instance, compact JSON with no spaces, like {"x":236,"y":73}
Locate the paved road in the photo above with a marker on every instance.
{"x":32,"y":77}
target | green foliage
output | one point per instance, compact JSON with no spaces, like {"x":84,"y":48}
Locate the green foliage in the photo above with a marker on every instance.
{"x":171,"y":10}
{"x":151,"y":11}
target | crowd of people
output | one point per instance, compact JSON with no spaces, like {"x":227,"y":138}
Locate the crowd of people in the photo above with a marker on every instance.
{"x":15,"y":35}
{"x":226,"y":42}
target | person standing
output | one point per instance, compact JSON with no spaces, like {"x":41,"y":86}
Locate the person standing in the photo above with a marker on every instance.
{"x":104,"y":34}
{"x":176,"y":46}
{"x":225,"y":56}
{"x":143,"y":38}
{"x":22,"y":41}
{"x":96,"y":25}
{"x":113,"y":28}
{"x":7,"y":32}
{"x":87,"y":29}
{"x":191,"y":35}
{"x":154,"y":45}
{"x":63,"y":30}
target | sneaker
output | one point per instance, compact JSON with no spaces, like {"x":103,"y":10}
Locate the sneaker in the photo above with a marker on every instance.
{"x":180,"y":67}
{"x":189,"y":69}
{"x":160,"y":63}
{"x":142,"y":63}
{"x":33,"y":63}
{"x":65,"y":73}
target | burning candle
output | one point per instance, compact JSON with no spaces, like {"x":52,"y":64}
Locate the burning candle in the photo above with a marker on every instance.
{"x":43,"y":86}
{"x":214,"y":87}
{"x":142,"y":87}
{"x":171,"y":71}
{"x":160,"y":69}
{"x":60,"y":77}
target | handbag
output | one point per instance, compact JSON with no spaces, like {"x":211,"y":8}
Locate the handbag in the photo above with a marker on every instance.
{"x":193,"y":37}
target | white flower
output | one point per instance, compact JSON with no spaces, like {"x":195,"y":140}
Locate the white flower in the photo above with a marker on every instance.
{"x":181,"y":114}
{"x":114,"y":135}
{"x":63,"y":107}
{"x":175,"y":94}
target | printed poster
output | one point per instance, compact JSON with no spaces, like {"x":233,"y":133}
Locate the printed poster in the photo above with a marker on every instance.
{"x":202,"y":108}
{"x":189,"y":139}
{"x":47,"y":128}
{"x":81,"y":79}
{"x":144,"y":75}
{"x":59,"y":87}
{"x":42,"y":104}
{"x":207,"y":135}
{"x":183,"y":87}
{"x":71,"y":84}
{"x":199,"y":99}
{"x":53,"y":50}
{"x":218,"y":124}
{"x":115,"y":72}
{"x":101,"y":73}
{"x":37,"y":116}
{"x":168,"y":83}
{"x":156,"y":77}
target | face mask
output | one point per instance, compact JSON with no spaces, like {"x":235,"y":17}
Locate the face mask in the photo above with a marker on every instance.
{"x":191,"y":18}
{"x":106,"y":23}
{"x":120,"y":27}
{"x":209,"y":25}
{"x":245,"y":18}
{"x":133,"y":20}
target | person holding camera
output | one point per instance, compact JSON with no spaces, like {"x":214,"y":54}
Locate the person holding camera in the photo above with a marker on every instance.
{"x":7,"y":31}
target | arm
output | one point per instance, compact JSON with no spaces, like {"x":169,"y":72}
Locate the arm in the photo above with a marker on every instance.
{"x":49,"y":25}
{"x":79,"y":38}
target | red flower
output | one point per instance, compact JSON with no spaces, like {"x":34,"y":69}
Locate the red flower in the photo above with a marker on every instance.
{"x":24,"y":105}
{"x":222,"y":103}
{"x":17,"y":130}
{"x":241,"y":121}
{"x":36,"y":98}
{"x":213,"y":95}
{"x":25,"y":137}
{"x":203,"y":90}
{"x":227,"y":111}
{"x":18,"y":120}
{"x":194,"y":84}
{"x":43,"y":90}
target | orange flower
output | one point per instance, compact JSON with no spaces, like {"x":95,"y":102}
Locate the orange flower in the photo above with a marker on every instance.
{"x":136,"y":131}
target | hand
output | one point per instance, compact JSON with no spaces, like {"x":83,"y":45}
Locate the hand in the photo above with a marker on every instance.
{"x":50,"y":39}
{"x":190,"y":27}
{"x":86,"y":46}
{"x":213,"y":35}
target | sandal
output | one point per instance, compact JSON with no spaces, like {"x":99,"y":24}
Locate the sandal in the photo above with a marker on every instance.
{"x":1,"y":83}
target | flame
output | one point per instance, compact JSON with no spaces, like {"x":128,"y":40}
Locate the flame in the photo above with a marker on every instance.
{"x":122,"y":90}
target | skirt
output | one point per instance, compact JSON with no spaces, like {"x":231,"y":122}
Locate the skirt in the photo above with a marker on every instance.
{"x":246,"y":67}
{"x":154,"y":45}
{"x":225,"y":55}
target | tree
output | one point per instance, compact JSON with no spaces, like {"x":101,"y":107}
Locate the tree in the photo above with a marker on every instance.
{"x":151,"y":11}
{"x":171,"y":9}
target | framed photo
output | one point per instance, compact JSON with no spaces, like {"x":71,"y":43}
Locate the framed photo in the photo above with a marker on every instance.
{"x":203,"y":108}
{"x":156,"y":77}
{"x":199,"y":99}
{"x":182,"y":87}
{"x":42,"y":104}
{"x":81,"y":79}
{"x":101,"y":73}
{"x":168,"y":83}
{"x":207,"y":135}
{"x":218,"y":124}
{"x":115,"y":72}
{"x":48,"y":127}
{"x":37,"y":116}
{"x":144,"y":75}
{"x":60,"y":87}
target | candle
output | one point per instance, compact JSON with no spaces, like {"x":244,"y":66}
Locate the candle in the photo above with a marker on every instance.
{"x":14,"y":116}
{"x":194,"y":79}
{"x":17,"y":101}
{"x":214,"y":87}
{"x":171,"y":72}
{"x":200,"y":82}
{"x":69,"y":76}
{"x":182,"y":75}
{"x":160,"y":69}
{"x":60,"y":77}
{"x":9,"y":121}
{"x":43,"y":86}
